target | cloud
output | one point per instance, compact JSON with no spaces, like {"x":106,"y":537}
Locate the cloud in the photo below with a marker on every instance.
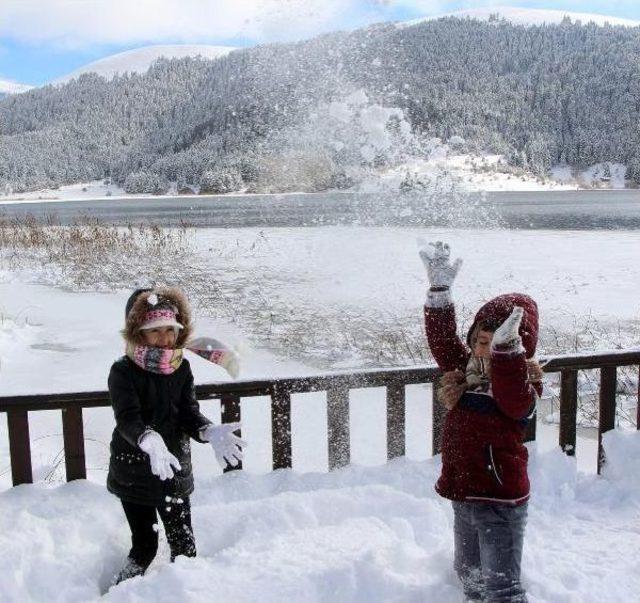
{"x":85,"y":23}
{"x":77,"y":24}
{"x":433,"y":7}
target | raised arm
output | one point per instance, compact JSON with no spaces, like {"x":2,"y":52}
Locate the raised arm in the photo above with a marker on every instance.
{"x":439,"y":313}
{"x":513,"y":393}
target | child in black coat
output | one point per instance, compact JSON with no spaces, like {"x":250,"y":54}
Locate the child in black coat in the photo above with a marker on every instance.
{"x":153,"y":398}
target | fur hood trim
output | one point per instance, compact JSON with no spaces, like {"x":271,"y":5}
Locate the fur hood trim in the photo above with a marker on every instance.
{"x":141,"y":306}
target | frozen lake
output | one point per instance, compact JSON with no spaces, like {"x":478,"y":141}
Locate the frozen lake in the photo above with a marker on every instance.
{"x":573,"y":210}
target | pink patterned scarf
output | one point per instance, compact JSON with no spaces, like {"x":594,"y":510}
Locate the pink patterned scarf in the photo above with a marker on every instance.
{"x":166,"y":361}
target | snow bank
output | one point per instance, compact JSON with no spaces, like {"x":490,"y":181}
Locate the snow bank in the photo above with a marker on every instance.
{"x":357,"y":535}
{"x":471,"y":172}
{"x":94,"y":190}
{"x":622,"y":466}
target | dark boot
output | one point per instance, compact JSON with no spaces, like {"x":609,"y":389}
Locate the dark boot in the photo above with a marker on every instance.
{"x":130,"y":570}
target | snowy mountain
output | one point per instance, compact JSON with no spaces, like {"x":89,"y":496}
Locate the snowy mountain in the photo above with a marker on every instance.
{"x":318,"y":114}
{"x":529,"y":16}
{"x":8,"y":87}
{"x":139,"y":60}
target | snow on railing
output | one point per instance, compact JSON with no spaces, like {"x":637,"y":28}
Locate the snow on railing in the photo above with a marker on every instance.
{"x":337,"y":386}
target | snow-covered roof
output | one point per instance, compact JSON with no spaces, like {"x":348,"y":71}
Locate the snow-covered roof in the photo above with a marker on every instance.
{"x":528,"y":16}
{"x":139,"y":60}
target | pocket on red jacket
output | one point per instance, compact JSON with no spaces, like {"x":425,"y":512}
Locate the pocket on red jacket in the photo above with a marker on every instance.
{"x":511,"y":467}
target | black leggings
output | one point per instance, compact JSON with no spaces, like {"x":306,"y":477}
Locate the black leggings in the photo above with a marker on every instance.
{"x":176,"y":518}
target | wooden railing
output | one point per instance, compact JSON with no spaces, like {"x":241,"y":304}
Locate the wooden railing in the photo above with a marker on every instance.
{"x":607,"y":363}
{"x":337,"y":387}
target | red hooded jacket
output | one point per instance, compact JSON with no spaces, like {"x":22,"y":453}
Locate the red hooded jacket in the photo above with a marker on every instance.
{"x":483,"y":455}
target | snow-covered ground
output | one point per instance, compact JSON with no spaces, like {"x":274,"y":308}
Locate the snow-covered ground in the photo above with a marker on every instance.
{"x":315,"y":285}
{"x":364,"y":535}
{"x":470,"y":172}
{"x":473,"y":173}
{"x":96,"y":190}
{"x":323,"y":279}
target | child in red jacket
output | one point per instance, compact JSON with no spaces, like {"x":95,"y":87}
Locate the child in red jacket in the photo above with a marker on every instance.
{"x":490,"y":396}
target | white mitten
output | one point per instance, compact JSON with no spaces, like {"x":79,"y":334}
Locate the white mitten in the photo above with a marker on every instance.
{"x":440,"y":272}
{"x":507,"y":337}
{"x":162,"y":461}
{"x":226,"y":445}
{"x":435,"y":257}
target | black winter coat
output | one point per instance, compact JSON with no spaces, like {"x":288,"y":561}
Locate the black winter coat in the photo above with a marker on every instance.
{"x":144,"y":400}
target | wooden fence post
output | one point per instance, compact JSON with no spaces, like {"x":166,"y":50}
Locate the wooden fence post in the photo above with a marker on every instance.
{"x":338,"y":426}
{"x":438,"y":413}
{"x":396,"y":422}
{"x":607,"y":415}
{"x":230,"y":414}
{"x":281,"y":428}
{"x":568,"y":411}
{"x":19,"y":447}
{"x":73,"y":435}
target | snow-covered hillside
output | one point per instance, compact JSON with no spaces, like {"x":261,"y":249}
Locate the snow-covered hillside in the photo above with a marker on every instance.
{"x":139,"y":60}
{"x":307,"y":146}
{"x":529,"y":16}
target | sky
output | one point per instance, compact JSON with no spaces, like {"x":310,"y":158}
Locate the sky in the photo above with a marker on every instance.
{"x":41,"y":40}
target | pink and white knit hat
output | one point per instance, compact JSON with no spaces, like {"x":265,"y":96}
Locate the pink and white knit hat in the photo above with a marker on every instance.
{"x":161,"y":315}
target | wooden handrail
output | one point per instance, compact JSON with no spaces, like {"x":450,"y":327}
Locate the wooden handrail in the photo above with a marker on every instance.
{"x":591,"y":360}
{"x":261,"y":387}
{"x":338,"y":386}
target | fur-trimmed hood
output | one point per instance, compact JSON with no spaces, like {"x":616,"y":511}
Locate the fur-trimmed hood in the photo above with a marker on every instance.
{"x":138,"y":305}
{"x":499,"y":308}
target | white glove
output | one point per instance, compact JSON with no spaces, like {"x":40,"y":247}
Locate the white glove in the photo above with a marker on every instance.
{"x":435,"y":257}
{"x":163,"y":462}
{"x":226,"y":445}
{"x":507,"y":334}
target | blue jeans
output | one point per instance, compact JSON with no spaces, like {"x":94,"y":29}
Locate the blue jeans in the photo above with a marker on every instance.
{"x":488,"y":550}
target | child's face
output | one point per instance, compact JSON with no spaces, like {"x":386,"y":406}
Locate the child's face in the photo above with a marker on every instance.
{"x":160,"y":337}
{"x":482,"y":345}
